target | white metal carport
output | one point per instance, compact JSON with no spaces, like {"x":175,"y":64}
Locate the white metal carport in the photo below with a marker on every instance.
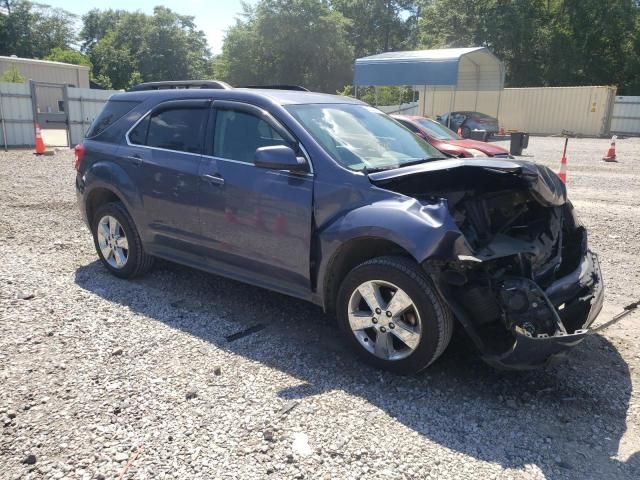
{"x":464,"y":72}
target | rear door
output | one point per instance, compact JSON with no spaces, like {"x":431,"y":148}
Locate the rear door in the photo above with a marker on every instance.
{"x":256,"y":222}
{"x":162,"y":155}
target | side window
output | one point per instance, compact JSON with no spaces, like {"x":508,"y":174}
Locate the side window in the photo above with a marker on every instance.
{"x":409,"y":126}
{"x":179,"y":129}
{"x":114,"y":110}
{"x":138,"y":136}
{"x":239,"y":134}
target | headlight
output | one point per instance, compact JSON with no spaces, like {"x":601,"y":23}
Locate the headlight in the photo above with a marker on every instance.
{"x":475,"y":153}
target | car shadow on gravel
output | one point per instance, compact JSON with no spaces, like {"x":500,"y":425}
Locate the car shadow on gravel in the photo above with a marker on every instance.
{"x":567,"y":419}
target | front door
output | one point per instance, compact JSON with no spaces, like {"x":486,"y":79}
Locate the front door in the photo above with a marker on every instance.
{"x":254,"y":221}
{"x":162,"y":156}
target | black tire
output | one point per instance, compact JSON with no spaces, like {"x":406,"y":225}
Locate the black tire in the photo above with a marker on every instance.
{"x":138,"y":261}
{"x":435,"y":316}
{"x":466,"y":132}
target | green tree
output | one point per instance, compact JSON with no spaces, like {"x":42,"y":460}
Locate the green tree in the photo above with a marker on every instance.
{"x":126,"y":48}
{"x":379,"y":25}
{"x":13,"y":75}
{"x":32,"y":30}
{"x":288,"y":41}
{"x":543,"y":42}
{"x":67,"y":55}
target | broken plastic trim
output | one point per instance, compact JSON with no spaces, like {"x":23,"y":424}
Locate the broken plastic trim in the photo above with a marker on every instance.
{"x":529,"y":351}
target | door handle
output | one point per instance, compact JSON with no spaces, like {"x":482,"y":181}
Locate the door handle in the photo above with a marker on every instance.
{"x":213,"y":179}
{"x":135,"y":159}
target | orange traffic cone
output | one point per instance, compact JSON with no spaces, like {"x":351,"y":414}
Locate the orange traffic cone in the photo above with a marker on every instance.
{"x":563,"y":163}
{"x":460,"y":131}
{"x":611,"y":153}
{"x":39,"y":142}
{"x":501,"y":131}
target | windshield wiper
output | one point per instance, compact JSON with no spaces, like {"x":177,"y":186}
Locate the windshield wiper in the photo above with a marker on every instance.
{"x":422,"y":160}
{"x":367,"y":170}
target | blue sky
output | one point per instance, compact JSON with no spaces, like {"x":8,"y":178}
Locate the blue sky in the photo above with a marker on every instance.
{"x":213,"y":17}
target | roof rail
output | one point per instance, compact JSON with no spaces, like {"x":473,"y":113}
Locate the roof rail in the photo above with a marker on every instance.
{"x":180,"y":84}
{"x":278,"y":87}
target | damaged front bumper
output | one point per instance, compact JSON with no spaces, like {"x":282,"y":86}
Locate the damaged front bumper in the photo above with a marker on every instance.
{"x":530,"y":351}
{"x":571,"y":304}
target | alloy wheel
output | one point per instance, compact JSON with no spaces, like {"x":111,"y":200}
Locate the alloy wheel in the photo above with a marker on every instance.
{"x":113,"y":242}
{"x":384,"y":320}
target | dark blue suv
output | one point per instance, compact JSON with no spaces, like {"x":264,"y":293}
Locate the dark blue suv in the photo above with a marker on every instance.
{"x":330,"y":200}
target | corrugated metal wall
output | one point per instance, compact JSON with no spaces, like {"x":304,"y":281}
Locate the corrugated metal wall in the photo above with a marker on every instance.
{"x":544,"y":110}
{"x":581,"y":110}
{"x":84,"y":105}
{"x":403,"y":109}
{"x":50,"y":72}
{"x":438,"y":100}
{"x":626,"y":116}
{"x":16,"y":129}
{"x":16,"y":113}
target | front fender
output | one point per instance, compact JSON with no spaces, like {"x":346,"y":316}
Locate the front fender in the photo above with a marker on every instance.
{"x":424,"y":230}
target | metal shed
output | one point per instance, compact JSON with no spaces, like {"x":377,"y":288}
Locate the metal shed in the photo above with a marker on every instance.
{"x":463,"y":72}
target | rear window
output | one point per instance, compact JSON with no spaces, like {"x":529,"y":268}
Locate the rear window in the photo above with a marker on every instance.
{"x":112,"y":111}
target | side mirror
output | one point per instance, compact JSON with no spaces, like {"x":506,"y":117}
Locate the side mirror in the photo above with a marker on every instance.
{"x":279,"y":157}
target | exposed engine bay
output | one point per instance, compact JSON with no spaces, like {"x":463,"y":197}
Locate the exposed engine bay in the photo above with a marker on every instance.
{"x":524,"y":285}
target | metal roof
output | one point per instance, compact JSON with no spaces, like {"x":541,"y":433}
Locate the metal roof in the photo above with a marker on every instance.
{"x":35,"y":61}
{"x":473,"y":68}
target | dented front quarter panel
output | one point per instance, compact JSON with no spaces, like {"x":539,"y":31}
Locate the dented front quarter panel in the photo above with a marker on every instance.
{"x":363,"y":211}
{"x":527,"y":350}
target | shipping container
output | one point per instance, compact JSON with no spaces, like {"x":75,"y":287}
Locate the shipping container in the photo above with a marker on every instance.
{"x":543,"y":111}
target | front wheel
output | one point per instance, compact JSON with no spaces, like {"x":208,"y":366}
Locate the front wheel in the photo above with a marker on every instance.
{"x":393,"y":316}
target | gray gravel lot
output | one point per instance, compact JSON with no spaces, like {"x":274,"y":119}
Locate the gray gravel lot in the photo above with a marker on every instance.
{"x":96,"y":371}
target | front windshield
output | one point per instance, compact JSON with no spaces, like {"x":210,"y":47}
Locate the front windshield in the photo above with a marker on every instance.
{"x":437,"y":130}
{"x":361,"y":137}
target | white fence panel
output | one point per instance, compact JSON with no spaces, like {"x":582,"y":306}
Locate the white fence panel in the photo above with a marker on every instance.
{"x":626,"y":115}
{"x":16,"y":114}
{"x":84,"y":106}
{"x":403,"y":109}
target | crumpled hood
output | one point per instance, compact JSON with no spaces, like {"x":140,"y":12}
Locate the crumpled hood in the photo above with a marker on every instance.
{"x":545,"y":186}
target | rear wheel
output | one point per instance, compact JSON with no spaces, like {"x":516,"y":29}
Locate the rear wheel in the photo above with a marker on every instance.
{"x":392,"y":315}
{"x":118,"y":243}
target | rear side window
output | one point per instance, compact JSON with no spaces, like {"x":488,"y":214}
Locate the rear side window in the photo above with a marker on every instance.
{"x":112,"y":111}
{"x":179,"y":129}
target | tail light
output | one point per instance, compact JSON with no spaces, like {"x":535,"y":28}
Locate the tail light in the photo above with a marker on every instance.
{"x":79,"y":153}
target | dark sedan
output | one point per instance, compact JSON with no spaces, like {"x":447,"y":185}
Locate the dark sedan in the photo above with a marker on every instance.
{"x":468,"y":122}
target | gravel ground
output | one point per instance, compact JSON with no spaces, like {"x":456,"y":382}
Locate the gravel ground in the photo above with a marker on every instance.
{"x":96,"y":372}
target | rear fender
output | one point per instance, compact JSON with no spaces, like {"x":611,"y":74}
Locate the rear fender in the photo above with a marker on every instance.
{"x":110,"y":176}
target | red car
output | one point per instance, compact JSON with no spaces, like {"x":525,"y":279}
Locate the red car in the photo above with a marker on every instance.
{"x":447,"y":141}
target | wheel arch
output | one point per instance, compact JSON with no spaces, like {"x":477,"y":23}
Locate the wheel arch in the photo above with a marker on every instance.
{"x":97,"y":197}
{"x":348,"y":256}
